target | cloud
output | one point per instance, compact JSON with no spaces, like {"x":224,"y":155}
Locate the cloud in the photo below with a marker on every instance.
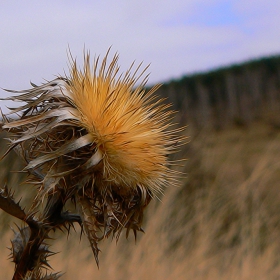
{"x":176,"y":37}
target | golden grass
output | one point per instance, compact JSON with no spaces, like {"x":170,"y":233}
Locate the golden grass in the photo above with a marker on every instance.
{"x":223,"y":223}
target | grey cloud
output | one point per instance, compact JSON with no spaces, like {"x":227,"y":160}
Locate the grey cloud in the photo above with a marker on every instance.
{"x":35,"y":36}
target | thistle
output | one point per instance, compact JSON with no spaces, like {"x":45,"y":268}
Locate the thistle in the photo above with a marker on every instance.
{"x":96,"y":137}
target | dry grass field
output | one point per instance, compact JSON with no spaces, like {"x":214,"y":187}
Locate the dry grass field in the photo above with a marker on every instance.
{"x":222,"y":223}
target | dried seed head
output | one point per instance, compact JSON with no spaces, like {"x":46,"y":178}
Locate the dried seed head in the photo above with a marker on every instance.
{"x":100,"y":137}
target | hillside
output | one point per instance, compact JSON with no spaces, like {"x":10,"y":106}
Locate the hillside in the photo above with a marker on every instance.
{"x":238,"y":94}
{"x":224,"y":220}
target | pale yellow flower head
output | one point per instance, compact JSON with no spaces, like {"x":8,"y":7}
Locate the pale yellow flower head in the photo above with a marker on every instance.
{"x":128,"y":125}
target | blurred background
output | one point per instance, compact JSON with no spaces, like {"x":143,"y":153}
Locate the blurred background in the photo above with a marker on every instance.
{"x":220,"y":68}
{"x":176,"y":37}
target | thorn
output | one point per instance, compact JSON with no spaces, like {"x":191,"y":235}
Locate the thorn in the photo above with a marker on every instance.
{"x":45,"y":263}
{"x":135,"y":234}
{"x":142,"y":230}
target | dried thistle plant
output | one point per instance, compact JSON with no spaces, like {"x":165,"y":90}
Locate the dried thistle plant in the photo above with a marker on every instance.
{"x":97,"y":138}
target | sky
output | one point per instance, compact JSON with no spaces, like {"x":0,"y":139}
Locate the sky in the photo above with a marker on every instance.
{"x":176,"y":37}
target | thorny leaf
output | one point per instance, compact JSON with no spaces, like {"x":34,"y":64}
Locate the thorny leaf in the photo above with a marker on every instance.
{"x":36,"y":275}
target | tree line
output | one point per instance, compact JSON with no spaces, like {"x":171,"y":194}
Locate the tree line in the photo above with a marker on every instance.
{"x":238,"y":94}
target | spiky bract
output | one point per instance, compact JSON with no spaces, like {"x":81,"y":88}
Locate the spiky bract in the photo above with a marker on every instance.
{"x":98,"y":137}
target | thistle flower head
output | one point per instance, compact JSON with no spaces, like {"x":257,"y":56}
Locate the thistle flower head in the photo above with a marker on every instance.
{"x":127,"y":128}
{"x":98,"y":136}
